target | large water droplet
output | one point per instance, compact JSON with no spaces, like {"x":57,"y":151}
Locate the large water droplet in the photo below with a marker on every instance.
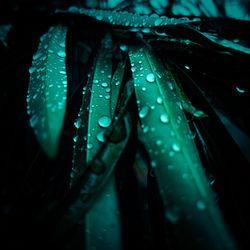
{"x":143,"y":112}
{"x":104,"y":121}
{"x":164,"y":118}
{"x":150,"y":77}
{"x":201,"y":205}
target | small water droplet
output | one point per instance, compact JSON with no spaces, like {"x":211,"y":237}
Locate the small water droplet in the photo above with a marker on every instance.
{"x":171,"y":154}
{"x":201,"y":205}
{"x":107,"y":97}
{"x":240,"y":90}
{"x":187,"y":67}
{"x":32,"y":69}
{"x":176,"y":147}
{"x":104,"y":121}
{"x":170,"y":85}
{"x":61,"y":53}
{"x":153,"y":164}
{"x":159,"y":142}
{"x":75,"y":139}
{"x":158,"y":21}
{"x":172,"y":214}
{"x":133,"y":69}
{"x":117,"y":83}
{"x":123,"y":47}
{"x":100,"y":136}
{"x":89,"y":146}
{"x":104,"y":85}
{"x":37,"y":55}
{"x":78,"y":122}
{"x":143,"y":112}
{"x":164,"y":118}
{"x":150,"y":77}
{"x":159,"y":100}
{"x":143,"y":89}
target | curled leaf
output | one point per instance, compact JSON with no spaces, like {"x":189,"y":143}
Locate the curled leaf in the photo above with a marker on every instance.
{"x":47,"y":93}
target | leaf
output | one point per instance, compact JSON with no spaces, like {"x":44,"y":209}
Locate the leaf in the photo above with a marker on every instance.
{"x":47,"y":93}
{"x":99,"y":185}
{"x":125,"y":18}
{"x":189,"y":203}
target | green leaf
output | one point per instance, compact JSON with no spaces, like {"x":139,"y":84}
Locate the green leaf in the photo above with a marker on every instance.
{"x":47,"y":92}
{"x":99,"y":185}
{"x":189,"y":203}
{"x":124,"y":18}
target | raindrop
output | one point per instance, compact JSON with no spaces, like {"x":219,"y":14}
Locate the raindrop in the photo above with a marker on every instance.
{"x":117,"y":83}
{"x":170,"y":85}
{"x":104,"y":121}
{"x":150,"y":77}
{"x":104,"y":84}
{"x":75,"y":139}
{"x":159,"y":142}
{"x":61,"y":53}
{"x":123,"y":47}
{"x":78,"y":122}
{"x":32,"y":69}
{"x":100,"y":136}
{"x":176,"y":147}
{"x":107,"y":97}
{"x":158,"y":21}
{"x":201,"y":205}
{"x":153,"y":164}
{"x":172,"y":214}
{"x":143,"y":112}
{"x":240,"y":90}
{"x":143,"y":89}
{"x":37,"y":55}
{"x":159,"y":100}
{"x":89,"y":146}
{"x":164,"y":118}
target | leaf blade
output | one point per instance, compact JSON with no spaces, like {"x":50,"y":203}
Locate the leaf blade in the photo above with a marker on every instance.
{"x":47,"y":92}
{"x":183,"y":186}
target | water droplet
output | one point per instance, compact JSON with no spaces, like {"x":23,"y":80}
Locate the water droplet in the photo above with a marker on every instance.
{"x":143,"y":89}
{"x":61,"y":53}
{"x":164,"y":118}
{"x":133,"y":69}
{"x":100,"y":136}
{"x":117,"y":83}
{"x":176,"y":147}
{"x":240,"y":90}
{"x":89,"y":146}
{"x":78,"y":122}
{"x":123,"y":47}
{"x":37,"y":55}
{"x":158,"y":21}
{"x":159,"y":142}
{"x":62,"y":72}
{"x":201,"y":205}
{"x":153,"y":164}
{"x":150,"y":77}
{"x":107,"y":97}
{"x":104,"y":84}
{"x":159,"y":100}
{"x":199,"y":113}
{"x":172,"y":214}
{"x":171,"y":154}
{"x":187,"y":67}
{"x":170,"y":85}
{"x":32,"y":69}
{"x":104,"y":121}
{"x":143,"y":112}
{"x":75,"y":139}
